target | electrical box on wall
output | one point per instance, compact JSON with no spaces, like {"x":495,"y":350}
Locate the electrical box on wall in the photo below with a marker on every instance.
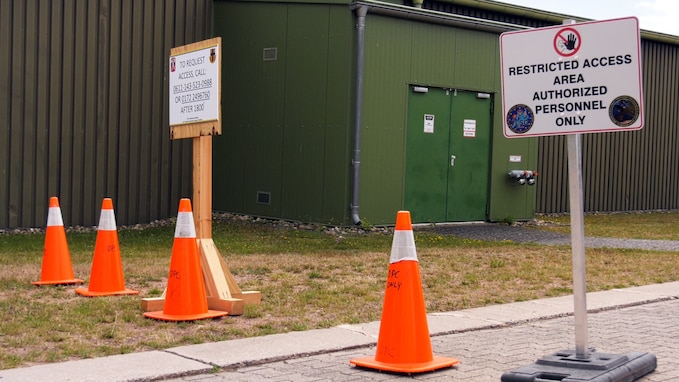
{"x":515,"y":178}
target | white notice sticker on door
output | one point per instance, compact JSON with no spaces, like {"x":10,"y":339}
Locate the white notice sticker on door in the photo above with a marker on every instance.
{"x":469,"y":128}
{"x":429,"y":123}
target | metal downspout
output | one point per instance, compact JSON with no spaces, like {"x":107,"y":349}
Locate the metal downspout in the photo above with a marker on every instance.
{"x":361,"y":12}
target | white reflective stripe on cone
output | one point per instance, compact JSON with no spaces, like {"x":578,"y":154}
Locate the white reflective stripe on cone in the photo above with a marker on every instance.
{"x":107,"y":221}
{"x":403,"y":247}
{"x":54,"y":218}
{"x":185,"y":227}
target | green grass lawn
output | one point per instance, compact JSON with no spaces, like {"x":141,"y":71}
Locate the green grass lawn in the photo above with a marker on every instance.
{"x":658,"y":225}
{"x":308,"y":279}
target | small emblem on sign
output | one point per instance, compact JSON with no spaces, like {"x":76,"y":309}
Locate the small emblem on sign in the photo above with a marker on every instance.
{"x":520,"y":119}
{"x":624,"y":111}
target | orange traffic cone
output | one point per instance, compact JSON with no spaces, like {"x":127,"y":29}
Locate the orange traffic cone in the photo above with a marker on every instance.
{"x":185,"y":298}
{"x":403,"y":344}
{"x":106,"y":278}
{"x":56,"y":261}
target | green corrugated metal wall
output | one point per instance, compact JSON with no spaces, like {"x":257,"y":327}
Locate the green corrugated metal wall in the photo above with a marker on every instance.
{"x":625,"y":171}
{"x":247,"y":156}
{"x":85,"y":104}
{"x":288,"y":125}
{"x":401,"y":52}
{"x":287,"y":121}
{"x":83,"y":98}
{"x":388,"y":44}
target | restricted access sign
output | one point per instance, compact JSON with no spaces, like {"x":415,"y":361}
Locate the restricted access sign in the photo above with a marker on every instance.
{"x":195,"y":95}
{"x":573,"y":78}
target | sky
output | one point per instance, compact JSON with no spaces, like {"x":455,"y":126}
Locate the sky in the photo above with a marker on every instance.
{"x":654,"y":15}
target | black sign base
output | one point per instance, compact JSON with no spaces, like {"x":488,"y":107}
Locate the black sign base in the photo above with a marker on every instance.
{"x":565,"y":366}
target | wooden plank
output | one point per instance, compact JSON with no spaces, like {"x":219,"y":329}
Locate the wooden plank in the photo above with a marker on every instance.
{"x":202,"y":186}
{"x":221,"y":288}
{"x":152,"y":304}
{"x":216,"y":284}
{"x":234,"y":306}
{"x":195,"y":130}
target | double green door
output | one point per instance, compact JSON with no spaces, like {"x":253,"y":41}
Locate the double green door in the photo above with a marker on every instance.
{"x":447,"y":155}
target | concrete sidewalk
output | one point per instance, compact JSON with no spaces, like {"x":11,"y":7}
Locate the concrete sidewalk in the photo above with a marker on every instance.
{"x":488,"y":341}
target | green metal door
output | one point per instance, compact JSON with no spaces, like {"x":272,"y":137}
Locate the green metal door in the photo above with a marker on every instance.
{"x":447,"y":155}
{"x":468,"y":175}
{"x":427,"y":140}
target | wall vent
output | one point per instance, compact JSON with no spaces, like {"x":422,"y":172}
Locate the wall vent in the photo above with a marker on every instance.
{"x":270,"y":54}
{"x":263,"y":197}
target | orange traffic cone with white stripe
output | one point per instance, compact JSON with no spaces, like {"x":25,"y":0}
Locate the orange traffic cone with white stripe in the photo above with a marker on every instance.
{"x":106,"y":278}
{"x":56,"y":261}
{"x":185,"y":298}
{"x":403,"y":344}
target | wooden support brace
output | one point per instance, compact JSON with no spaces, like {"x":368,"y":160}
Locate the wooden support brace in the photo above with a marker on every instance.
{"x":221,"y":288}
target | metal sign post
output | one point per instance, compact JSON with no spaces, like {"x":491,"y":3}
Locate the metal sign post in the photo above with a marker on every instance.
{"x":578,"y":244}
{"x":569,"y":80}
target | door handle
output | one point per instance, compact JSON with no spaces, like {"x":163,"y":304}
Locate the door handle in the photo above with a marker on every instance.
{"x":452,"y":160}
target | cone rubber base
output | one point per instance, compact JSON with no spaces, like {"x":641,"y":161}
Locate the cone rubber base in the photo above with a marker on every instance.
{"x":58,"y":282}
{"x":435,"y":364}
{"x":88,"y":293}
{"x":185,"y":317}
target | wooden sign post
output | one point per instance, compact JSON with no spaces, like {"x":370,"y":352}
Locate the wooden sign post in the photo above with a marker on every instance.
{"x":195,"y":112}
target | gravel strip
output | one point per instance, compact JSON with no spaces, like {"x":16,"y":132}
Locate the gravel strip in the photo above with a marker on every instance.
{"x":521,"y":234}
{"x":517,"y":232}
